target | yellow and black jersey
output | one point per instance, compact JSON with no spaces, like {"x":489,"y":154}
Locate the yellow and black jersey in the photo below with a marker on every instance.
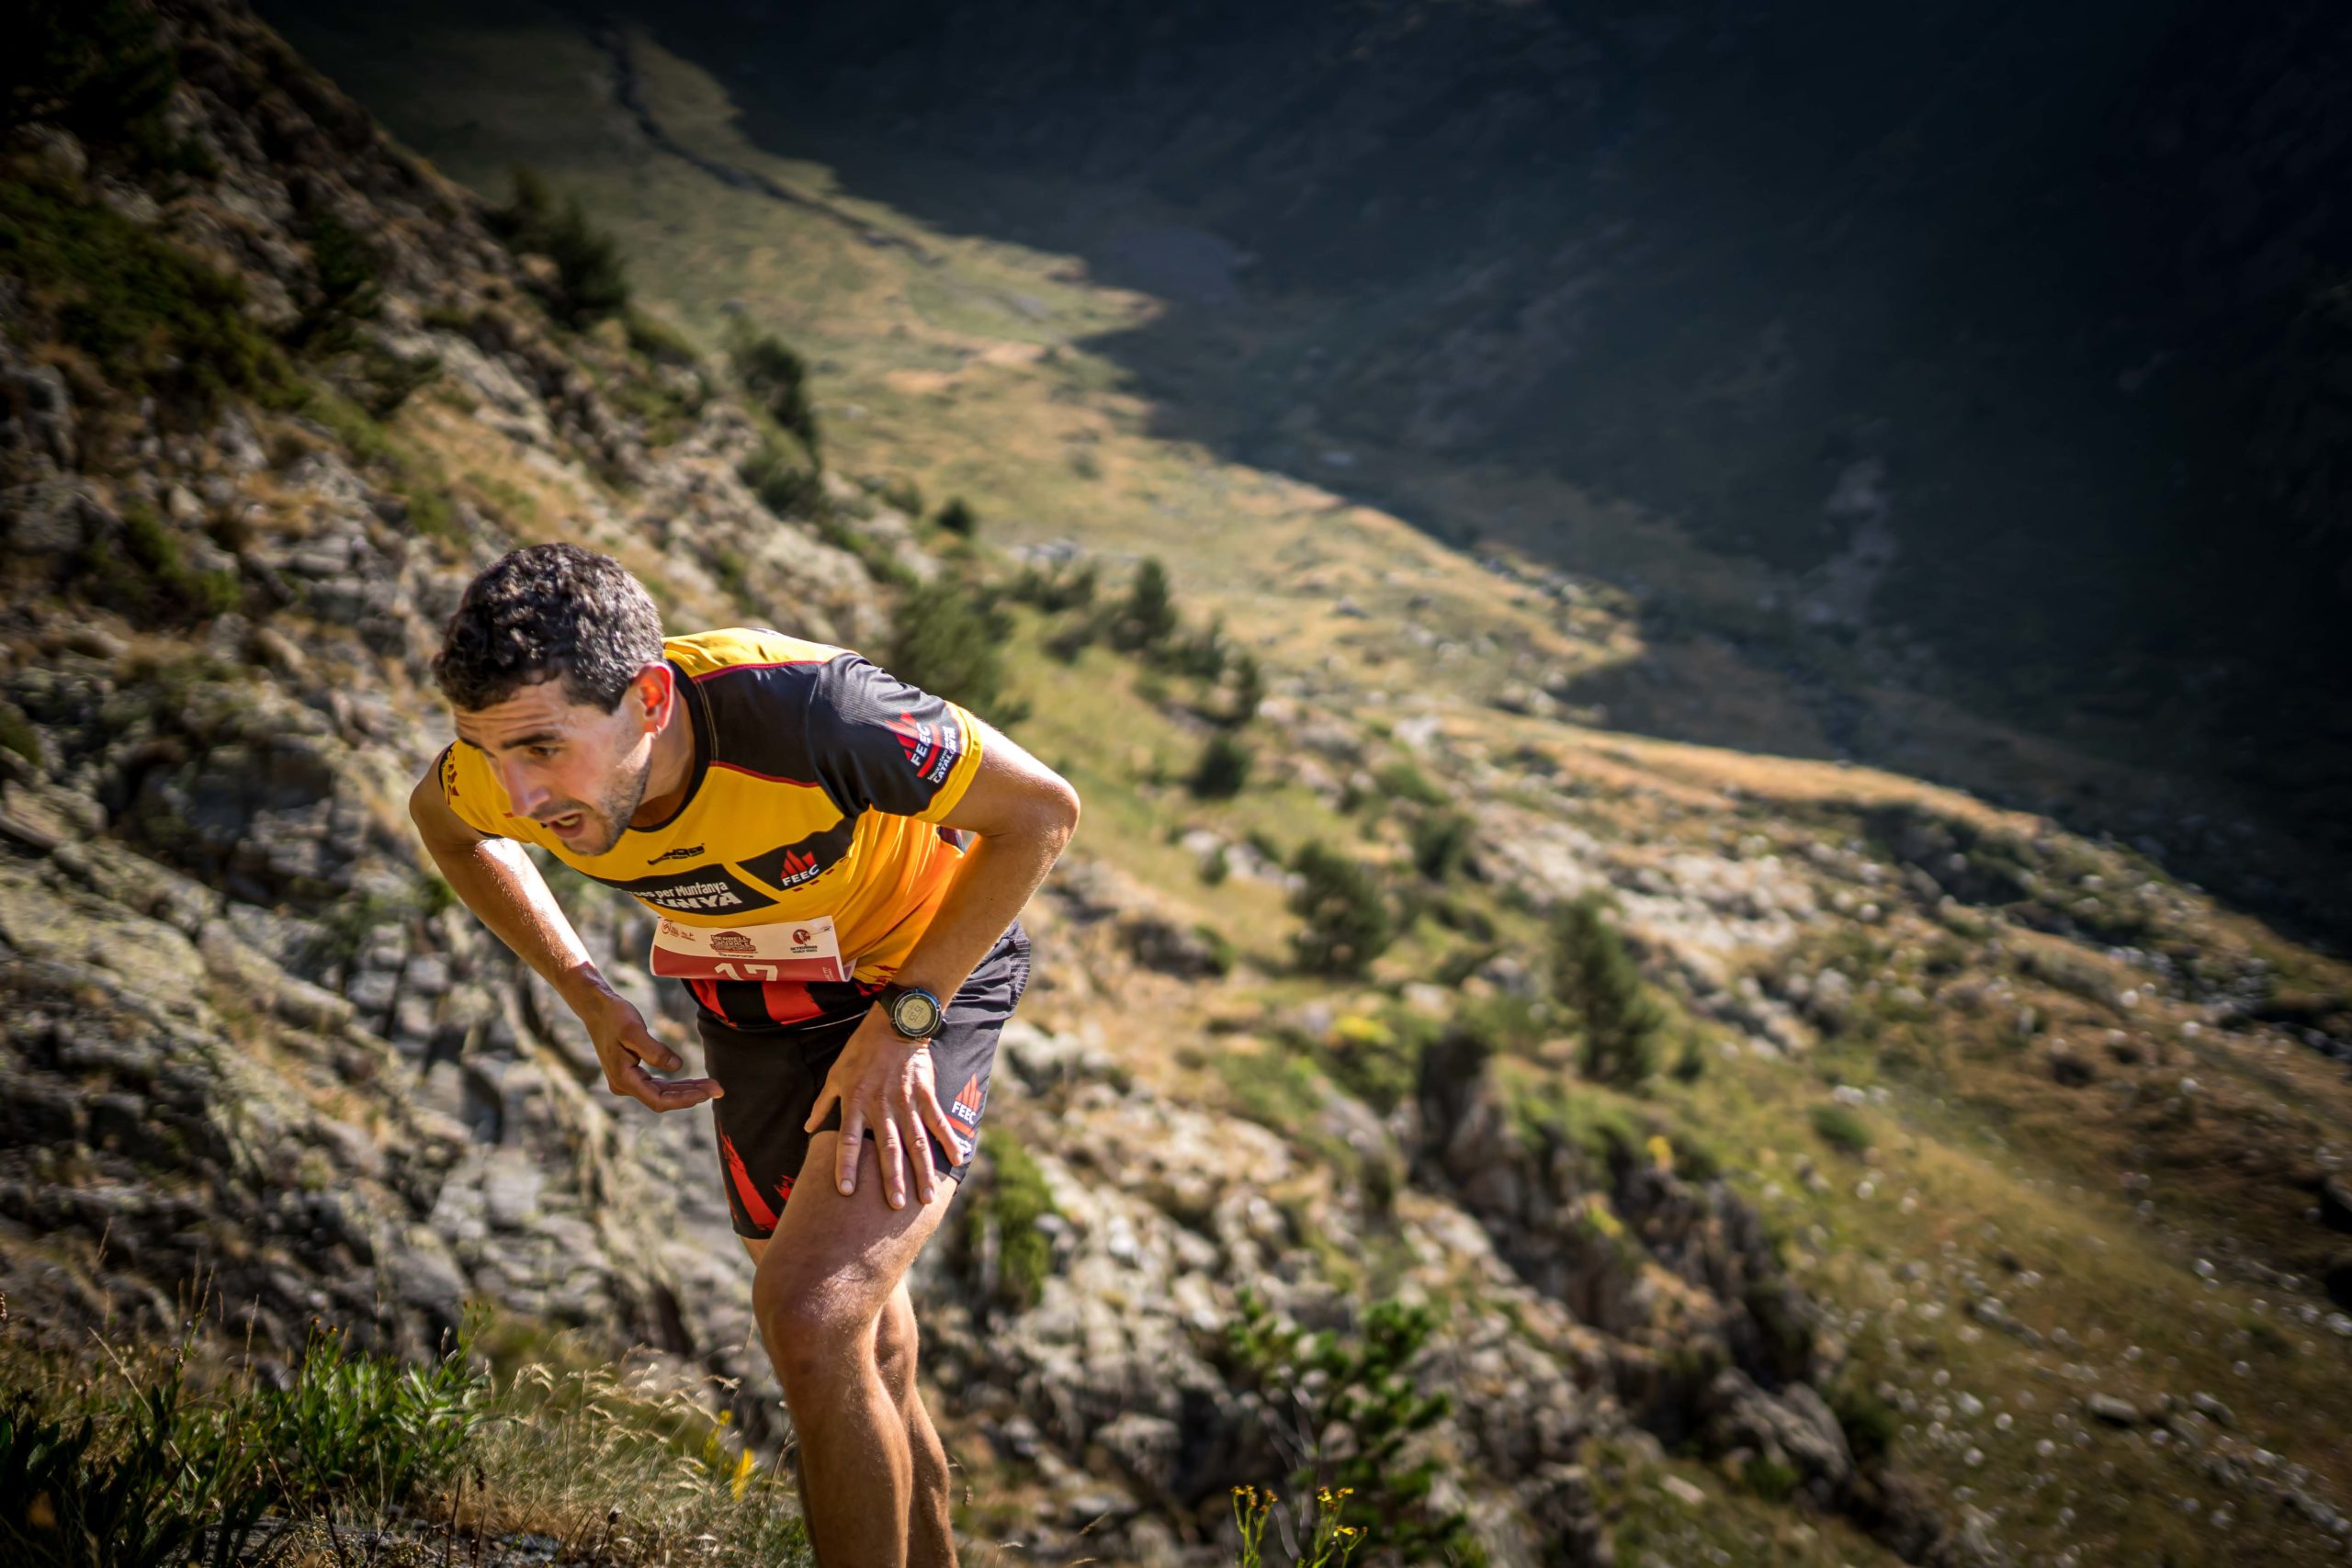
{"x":819,"y":784}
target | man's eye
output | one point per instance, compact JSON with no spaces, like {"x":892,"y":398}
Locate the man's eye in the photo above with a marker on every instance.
{"x":543,"y":750}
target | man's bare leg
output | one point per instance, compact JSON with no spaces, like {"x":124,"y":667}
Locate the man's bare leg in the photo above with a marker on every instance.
{"x":931,"y":1535}
{"x":819,"y":1294}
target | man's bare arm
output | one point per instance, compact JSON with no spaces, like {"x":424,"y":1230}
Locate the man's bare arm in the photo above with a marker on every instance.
{"x":1023,"y":813}
{"x":496,"y":880}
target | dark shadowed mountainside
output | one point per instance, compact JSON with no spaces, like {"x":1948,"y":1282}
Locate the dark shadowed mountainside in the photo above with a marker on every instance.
{"x":2017,"y":335}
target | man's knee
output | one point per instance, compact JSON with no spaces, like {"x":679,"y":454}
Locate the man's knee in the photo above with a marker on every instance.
{"x":814,"y":1330}
{"x":896,"y":1341}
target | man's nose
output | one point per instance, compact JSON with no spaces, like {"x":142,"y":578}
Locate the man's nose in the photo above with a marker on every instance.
{"x":525,"y":791}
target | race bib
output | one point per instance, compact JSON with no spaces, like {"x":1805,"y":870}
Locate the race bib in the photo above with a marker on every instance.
{"x":788,"y":949}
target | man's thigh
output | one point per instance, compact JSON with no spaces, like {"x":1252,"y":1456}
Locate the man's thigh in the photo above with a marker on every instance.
{"x":844,"y":1254}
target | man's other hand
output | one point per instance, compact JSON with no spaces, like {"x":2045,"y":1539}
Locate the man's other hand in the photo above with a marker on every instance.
{"x":628,"y":1051}
{"x":883,"y":1083}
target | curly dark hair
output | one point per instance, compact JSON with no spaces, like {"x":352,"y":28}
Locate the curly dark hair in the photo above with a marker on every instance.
{"x":548,"y":611}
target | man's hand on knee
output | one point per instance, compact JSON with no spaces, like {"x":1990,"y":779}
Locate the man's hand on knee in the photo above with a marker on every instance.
{"x":883,"y":1082}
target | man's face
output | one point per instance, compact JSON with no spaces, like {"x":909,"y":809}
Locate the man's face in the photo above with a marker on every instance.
{"x":578,"y":772}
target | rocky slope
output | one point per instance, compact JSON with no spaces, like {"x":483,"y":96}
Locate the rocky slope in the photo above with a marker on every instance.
{"x":253,"y":1053}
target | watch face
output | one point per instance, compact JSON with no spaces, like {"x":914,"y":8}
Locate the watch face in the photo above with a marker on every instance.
{"x":915,"y":1015}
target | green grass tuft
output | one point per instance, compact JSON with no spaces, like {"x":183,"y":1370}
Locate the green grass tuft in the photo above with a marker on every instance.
{"x":1014,"y":1200}
{"x":142,"y":574}
{"x":139,"y":1476}
{"x":18,"y":734}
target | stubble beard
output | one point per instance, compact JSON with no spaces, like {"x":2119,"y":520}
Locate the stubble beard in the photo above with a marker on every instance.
{"x":621,"y":804}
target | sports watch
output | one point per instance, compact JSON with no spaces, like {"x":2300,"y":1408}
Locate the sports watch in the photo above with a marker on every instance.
{"x":915,"y":1014}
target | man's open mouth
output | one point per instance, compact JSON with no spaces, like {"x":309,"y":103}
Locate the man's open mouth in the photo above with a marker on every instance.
{"x":567,"y":826}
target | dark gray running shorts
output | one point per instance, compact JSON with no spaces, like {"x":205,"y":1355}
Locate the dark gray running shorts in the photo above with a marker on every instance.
{"x":773,"y":1076}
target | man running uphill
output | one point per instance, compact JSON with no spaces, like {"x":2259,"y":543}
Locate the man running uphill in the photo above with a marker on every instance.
{"x":830,"y":853}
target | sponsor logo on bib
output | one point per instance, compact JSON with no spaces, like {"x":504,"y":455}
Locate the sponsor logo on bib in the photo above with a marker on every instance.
{"x":803,"y":952}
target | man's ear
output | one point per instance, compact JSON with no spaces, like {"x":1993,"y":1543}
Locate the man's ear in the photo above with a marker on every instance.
{"x":656,"y":689}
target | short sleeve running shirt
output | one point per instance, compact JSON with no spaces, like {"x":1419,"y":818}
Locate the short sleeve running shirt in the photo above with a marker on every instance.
{"x":819,"y":784}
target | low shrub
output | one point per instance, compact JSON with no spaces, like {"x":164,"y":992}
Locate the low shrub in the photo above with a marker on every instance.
{"x":775,"y":375}
{"x":144,"y":576}
{"x":344,"y":270}
{"x":950,"y":640}
{"x":1869,"y":1423}
{"x":382,"y":382}
{"x":734,"y":575}
{"x":589,"y":282}
{"x":1056,"y":588}
{"x":1003,"y":1222}
{"x":784,"y":489}
{"x":1146,"y":618}
{"x":1278,"y":1087}
{"x":657,"y":341}
{"x":153,"y":1461}
{"x":1345,"y":1412}
{"x":1842,"y":1130}
{"x":1378,"y":1060}
{"x":1202,"y":654}
{"x":99,"y":68}
{"x":1346,"y":920}
{"x":958,"y":518}
{"x":1440,"y":843}
{"x":1402,"y":781}
{"x":140,"y":1477}
{"x":1223,"y":770}
{"x":1246,"y":692}
{"x":1691,"y":1061}
{"x":1773,"y":1480}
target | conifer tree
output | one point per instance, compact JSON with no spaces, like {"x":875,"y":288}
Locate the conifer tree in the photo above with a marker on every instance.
{"x":1595,"y":978}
